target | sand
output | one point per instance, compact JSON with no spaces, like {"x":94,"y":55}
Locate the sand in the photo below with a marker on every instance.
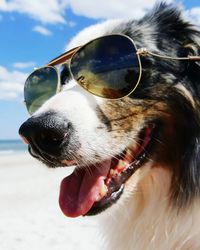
{"x":30,"y":217}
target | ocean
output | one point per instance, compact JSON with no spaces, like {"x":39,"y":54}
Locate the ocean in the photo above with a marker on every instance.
{"x":11,"y":146}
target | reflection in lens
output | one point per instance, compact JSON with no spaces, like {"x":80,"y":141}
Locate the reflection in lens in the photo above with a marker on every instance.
{"x":107,"y":67}
{"x":39,"y":87}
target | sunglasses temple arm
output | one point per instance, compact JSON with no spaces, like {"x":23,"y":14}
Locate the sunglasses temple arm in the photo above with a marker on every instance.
{"x":145,"y":52}
{"x":63,"y":57}
{"x":142,"y":52}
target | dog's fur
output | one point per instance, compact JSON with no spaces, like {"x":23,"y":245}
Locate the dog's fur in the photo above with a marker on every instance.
{"x":160,"y":205}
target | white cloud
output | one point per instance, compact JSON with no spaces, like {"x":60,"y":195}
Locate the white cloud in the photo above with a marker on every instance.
{"x":52,"y":11}
{"x":23,"y":65}
{"x":11,"y":84}
{"x":49,"y":11}
{"x":42,"y":30}
{"x":194,"y":15}
{"x":112,"y":8}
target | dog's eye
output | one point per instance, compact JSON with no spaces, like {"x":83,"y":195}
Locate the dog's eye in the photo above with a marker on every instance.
{"x":65,"y":75}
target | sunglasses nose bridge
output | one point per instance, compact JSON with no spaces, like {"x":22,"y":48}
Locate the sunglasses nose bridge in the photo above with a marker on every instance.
{"x":64,"y":73}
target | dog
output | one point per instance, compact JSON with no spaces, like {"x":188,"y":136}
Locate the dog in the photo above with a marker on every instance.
{"x":154,"y":202}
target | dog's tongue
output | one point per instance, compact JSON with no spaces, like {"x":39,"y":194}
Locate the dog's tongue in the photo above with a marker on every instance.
{"x":80,"y":190}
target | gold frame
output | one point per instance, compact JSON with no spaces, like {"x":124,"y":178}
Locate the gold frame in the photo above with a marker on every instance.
{"x":67,"y":57}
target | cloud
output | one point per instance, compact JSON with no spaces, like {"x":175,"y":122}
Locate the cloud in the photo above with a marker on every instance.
{"x":112,"y":8}
{"x":194,"y":15}
{"x":11,"y":84}
{"x":49,"y":11}
{"x":23,"y":65}
{"x":53,"y":11}
{"x":42,"y":30}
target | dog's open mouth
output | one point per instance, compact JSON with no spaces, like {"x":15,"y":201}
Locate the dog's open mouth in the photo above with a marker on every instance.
{"x":88,"y":191}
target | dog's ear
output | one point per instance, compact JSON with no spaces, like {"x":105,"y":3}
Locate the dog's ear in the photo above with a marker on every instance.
{"x":190,"y":162}
{"x":188,"y":182}
{"x":190,"y":171}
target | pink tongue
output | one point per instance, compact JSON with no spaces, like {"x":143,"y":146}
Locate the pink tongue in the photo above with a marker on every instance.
{"x":80,"y":190}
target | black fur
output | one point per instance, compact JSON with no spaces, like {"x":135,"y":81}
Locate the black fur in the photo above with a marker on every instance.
{"x":165,"y":30}
{"x":171,"y":34}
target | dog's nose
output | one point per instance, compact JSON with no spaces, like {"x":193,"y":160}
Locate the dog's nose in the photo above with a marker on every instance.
{"x":45,"y":132}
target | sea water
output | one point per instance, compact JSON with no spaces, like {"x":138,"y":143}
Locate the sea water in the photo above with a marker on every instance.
{"x":11,"y":146}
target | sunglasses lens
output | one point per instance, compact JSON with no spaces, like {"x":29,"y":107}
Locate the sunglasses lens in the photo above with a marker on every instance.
{"x":107,"y":67}
{"x":39,"y":87}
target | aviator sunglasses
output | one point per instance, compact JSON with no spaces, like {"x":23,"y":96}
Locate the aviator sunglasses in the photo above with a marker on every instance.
{"x":108,"y":67}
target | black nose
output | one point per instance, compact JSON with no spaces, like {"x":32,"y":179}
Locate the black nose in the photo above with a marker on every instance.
{"x":46,"y":133}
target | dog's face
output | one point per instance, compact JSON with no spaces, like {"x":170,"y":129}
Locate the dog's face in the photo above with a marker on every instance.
{"x":116,"y":143}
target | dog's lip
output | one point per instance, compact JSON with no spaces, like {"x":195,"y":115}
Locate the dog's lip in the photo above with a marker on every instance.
{"x":68,"y":162}
{"x":117,"y":184}
{"x":79,"y":195}
{"x":24,"y":140}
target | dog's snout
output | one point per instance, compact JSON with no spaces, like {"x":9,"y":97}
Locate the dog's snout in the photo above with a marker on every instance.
{"x":45,"y":132}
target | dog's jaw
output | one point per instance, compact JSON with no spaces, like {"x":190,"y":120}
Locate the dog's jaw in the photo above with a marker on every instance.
{"x":99,"y":143}
{"x":90,"y":190}
{"x":144,"y":219}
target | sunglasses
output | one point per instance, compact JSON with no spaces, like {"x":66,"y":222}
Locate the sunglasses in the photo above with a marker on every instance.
{"x":108,"y":67}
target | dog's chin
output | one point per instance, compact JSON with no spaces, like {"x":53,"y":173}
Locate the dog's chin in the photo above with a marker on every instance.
{"x":90,"y":190}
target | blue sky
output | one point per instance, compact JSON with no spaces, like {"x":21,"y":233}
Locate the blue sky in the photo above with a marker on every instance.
{"x":33,"y":32}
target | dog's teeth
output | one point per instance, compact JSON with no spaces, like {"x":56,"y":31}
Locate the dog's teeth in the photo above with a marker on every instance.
{"x":112,"y":172}
{"x":121,"y":165}
{"x":102,"y":192}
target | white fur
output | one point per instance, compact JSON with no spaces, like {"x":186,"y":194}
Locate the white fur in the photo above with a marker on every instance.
{"x":142,"y":218}
{"x":92,"y":32}
{"x":79,"y":107}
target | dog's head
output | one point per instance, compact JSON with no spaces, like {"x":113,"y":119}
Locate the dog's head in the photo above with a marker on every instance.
{"x":115,"y":144}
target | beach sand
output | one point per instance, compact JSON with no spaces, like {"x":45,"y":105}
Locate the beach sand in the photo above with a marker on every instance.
{"x":30,"y":217}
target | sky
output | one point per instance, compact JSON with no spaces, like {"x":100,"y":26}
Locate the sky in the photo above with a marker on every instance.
{"x":32,"y":32}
